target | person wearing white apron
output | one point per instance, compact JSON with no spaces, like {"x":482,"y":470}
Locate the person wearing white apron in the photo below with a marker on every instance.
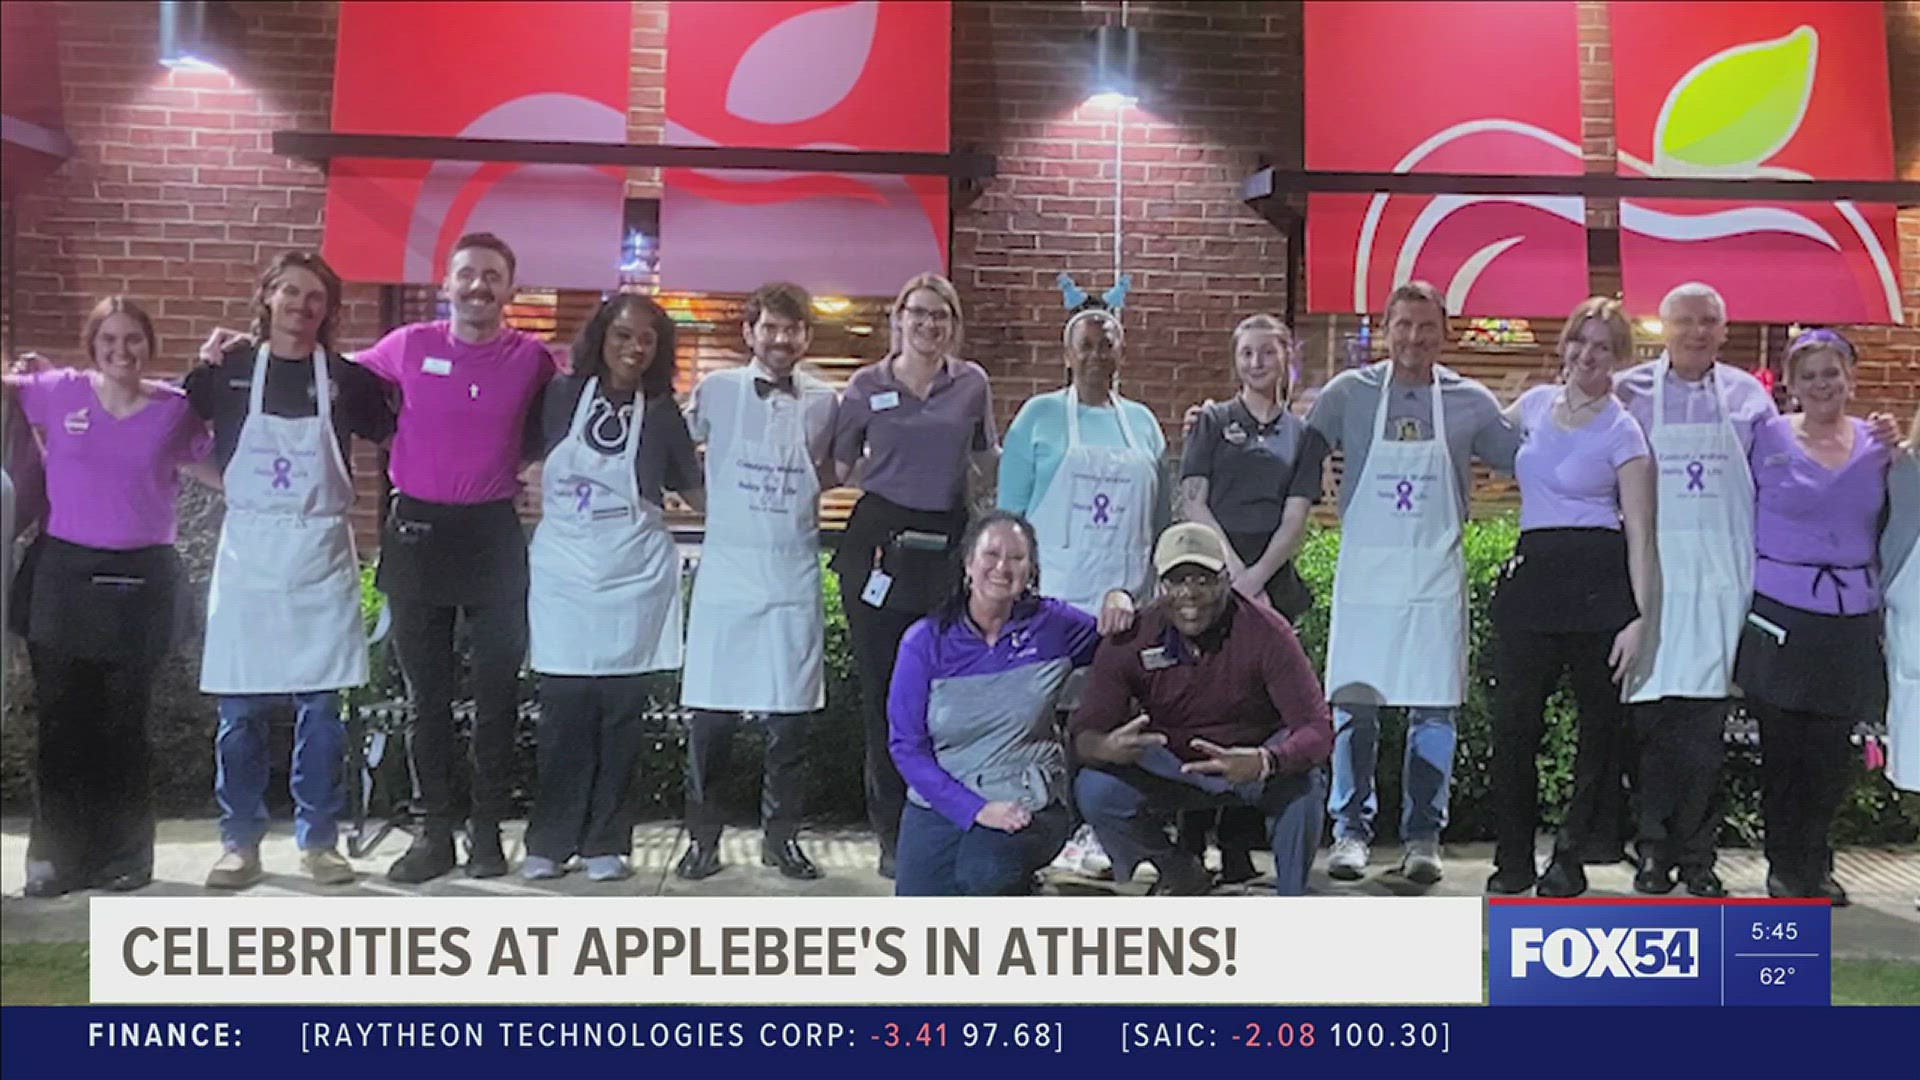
{"x":1699,"y":416}
{"x":283,"y":621}
{"x":1399,"y":617}
{"x":756,"y":633}
{"x":1900,"y":563}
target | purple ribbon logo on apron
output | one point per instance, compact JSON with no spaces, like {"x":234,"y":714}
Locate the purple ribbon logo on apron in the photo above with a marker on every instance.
{"x":582,"y":491}
{"x":282,"y":473}
{"x":1696,"y":476}
{"x":1403,"y":495}
{"x":1101,"y":505}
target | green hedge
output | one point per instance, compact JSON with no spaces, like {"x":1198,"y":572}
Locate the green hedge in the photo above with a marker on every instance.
{"x":183,"y":731}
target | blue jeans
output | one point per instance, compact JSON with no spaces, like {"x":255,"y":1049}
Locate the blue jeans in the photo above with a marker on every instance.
{"x":240,"y":782}
{"x":1130,"y":808}
{"x":938,"y":859}
{"x":1425,"y":778}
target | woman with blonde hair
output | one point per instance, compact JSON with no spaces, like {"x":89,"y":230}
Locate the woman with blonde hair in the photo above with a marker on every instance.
{"x":1570,"y":602}
{"x":909,"y":431}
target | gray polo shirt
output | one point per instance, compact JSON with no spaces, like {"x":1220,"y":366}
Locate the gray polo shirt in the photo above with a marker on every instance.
{"x":1343,"y":414}
{"x":915,"y":452}
{"x":1251,"y":468}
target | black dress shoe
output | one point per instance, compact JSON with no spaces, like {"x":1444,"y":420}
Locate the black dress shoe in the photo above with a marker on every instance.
{"x":1237,"y":867}
{"x":793,"y":862}
{"x":1780,"y":888}
{"x":430,"y":856}
{"x":485,"y":859}
{"x":1703,"y":882}
{"x":46,"y":888}
{"x":1831,"y":889}
{"x":1510,"y":880}
{"x":1563,"y":878}
{"x":1654,"y":879}
{"x":888,"y":863}
{"x":701,"y":861}
{"x":1181,"y":875}
{"x":125,"y":882}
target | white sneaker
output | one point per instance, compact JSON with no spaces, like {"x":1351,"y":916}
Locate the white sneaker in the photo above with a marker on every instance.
{"x":1422,"y":864}
{"x":1348,"y":862}
{"x":1094,"y":861}
{"x":608,"y":868}
{"x":540,"y":868}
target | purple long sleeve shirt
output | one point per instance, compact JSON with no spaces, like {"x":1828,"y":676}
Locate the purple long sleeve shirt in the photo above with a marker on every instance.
{"x":971,"y":723}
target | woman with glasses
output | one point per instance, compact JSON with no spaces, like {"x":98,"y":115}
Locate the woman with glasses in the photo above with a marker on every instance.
{"x":908,"y":431}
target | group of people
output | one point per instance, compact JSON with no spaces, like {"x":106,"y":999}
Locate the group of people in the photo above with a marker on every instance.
{"x":1070,"y":676}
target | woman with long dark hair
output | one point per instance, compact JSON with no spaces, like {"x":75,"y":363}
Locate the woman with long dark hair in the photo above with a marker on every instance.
{"x":972,"y":725}
{"x":101,"y":589}
{"x":603,"y":606}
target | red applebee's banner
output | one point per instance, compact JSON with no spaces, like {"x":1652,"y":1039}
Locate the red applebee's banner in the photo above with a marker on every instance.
{"x":1451,"y":88}
{"x":502,"y":70}
{"x":1779,"y":90}
{"x":871,"y":75}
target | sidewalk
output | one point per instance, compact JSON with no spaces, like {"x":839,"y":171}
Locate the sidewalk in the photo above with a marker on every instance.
{"x":1882,"y":923}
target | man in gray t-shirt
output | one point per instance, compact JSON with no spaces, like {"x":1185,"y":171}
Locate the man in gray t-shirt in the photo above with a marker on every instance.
{"x":1399,"y":603}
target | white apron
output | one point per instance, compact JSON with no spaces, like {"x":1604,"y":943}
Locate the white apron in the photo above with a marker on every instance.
{"x":1903,"y":675}
{"x":603,"y":596}
{"x":1399,"y":625}
{"x":1095,"y":523}
{"x":283,"y":615}
{"x":1705,"y":536}
{"x":756,"y":636}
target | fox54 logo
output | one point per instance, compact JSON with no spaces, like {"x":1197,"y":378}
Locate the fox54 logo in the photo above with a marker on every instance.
{"x":1617,"y":952}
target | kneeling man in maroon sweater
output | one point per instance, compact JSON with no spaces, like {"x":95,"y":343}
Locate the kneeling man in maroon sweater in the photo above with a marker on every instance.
{"x":1233,"y":716}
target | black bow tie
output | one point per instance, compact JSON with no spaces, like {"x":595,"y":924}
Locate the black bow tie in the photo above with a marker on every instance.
{"x":764,"y":387}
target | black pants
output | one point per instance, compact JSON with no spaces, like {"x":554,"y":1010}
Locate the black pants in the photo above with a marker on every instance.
{"x":93,"y":811}
{"x":782,"y":789}
{"x":592,"y":729}
{"x":876,"y":638}
{"x":1676,"y":798}
{"x":1527,"y":670}
{"x":423,"y":636}
{"x":1805,"y":766}
{"x":1237,"y":829}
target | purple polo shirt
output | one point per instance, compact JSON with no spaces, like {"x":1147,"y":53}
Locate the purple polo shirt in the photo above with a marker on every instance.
{"x":1571,"y":479}
{"x":111,"y":482}
{"x":463,"y":412}
{"x":1249,"y":684}
{"x":971,"y":723}
{"x":1816,"y":530}
{"x":916,"y":452}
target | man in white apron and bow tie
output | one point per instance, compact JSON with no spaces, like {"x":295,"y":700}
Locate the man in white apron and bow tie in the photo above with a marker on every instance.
{"x":756,"y":633}
{"x":1409,"y":429}
{"x":1699,"y":416}
{"x":283,"y":617}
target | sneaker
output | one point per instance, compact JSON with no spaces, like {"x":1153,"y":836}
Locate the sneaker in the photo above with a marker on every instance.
{"x":1094,"y":862}
{"x":540,"y":868}
{"x":1348,"y":861}
{"x":1068,"y":861}
{"x":237,"y":868}
{"x":430,"y":856}
{"x":608,"y":868}
{"x":1422,"y":864}
{"x":327,"y":867}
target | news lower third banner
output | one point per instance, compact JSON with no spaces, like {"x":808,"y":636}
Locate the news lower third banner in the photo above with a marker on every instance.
{"x":745,"y":950}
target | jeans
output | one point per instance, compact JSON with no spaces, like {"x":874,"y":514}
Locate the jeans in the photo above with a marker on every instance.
{"x":1130,"y":808}
{"x":1426,"y":774}
{"x":240,"y":759}
{"x":939,"y":859}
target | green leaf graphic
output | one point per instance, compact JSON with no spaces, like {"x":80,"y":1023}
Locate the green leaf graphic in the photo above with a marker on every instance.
{"x":1738,"y":107}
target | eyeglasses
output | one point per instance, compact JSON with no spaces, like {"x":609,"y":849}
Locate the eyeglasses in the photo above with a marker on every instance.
{"x":936,"y":316}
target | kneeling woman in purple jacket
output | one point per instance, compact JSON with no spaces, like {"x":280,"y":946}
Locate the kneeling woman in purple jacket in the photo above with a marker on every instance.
{"x":971,"y":714}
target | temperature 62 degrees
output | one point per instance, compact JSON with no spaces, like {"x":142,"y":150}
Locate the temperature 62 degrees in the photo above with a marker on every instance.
{"x":1776,"y":976}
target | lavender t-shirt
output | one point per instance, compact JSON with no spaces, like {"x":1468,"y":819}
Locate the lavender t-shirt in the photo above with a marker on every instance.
{"x":111,"y":481}
{"x":1571,"y":479}
{"x":1817,"y":529}
{"x":463,"y":409}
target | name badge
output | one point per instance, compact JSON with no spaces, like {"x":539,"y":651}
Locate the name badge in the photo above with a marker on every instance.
{"x":883,"y":402}
{"x":76,"y":422}
{"x":240,"y":384}
{"x":434,"y":365}
{"x":1156,"y":658}
{"x":879,"y":583}
{"x":1235,"y":434}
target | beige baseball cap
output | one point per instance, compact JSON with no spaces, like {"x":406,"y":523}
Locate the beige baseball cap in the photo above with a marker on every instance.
{"x":1189,"y":542}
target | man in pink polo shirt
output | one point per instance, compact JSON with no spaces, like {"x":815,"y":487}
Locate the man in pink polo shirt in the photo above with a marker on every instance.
{"x":453,"y":548}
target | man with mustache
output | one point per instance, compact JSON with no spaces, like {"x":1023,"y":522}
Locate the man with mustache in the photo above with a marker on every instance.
{"x":1233,"y":717}
{"x":453,"y":548}
{"x":756,"y":633}
{"x":1410,"y":429}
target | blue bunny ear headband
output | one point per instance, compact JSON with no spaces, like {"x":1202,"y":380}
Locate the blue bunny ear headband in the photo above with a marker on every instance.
{"x":1077,"y":299}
